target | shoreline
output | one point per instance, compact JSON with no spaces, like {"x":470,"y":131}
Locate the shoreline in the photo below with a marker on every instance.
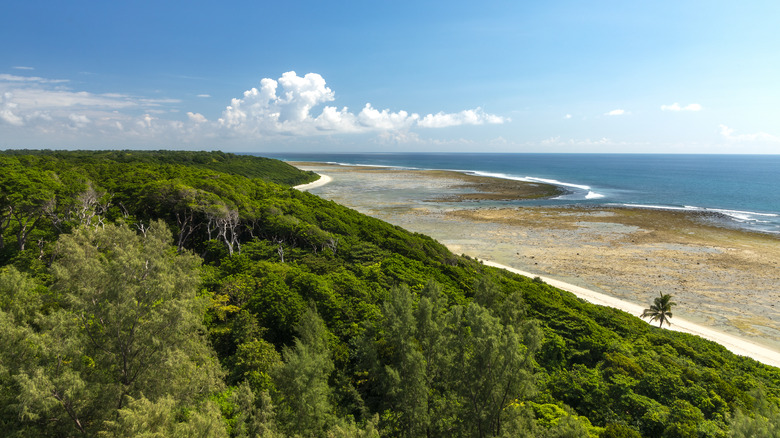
{"x":324,"y":179}
{"x":487,"y":186}
{"x":736,"y":345}
{"x":721,"y":277}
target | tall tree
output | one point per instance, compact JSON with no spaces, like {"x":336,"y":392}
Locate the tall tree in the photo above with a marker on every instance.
{"x":405,"y":382}
{"x":302,"y":381}
{"x":144,"y":418}
{"x":764,"y":421}
{"x":134,"y":298}
{"x":660,"y":310}
{"x":432,"y":333}
{"x":128,"y":325}
{"x":493,"y":367}
{"x":25,"y":194}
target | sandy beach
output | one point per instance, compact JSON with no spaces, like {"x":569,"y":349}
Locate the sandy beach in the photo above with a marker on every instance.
{"x":324,"y":179}
{"x":726,"y":281}
{"x":734,"y":344}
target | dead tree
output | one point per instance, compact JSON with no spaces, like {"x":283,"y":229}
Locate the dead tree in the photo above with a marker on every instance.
{"x":332,"y":244}
{"x":227,"y":225}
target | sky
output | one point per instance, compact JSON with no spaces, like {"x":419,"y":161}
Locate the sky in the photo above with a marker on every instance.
{"x":380,"y":76}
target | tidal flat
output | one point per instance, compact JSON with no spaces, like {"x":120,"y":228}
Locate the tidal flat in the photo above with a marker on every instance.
{"x":721,"y":277}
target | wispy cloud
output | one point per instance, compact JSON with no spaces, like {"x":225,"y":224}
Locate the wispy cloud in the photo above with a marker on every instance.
{"x":615,"y":112}
{"x":50,"y":109}
{"x":677,"y":107}
{"x":287,"y":106}
{"x":157,"y":102}
{"x":291,"y":106}
{"x":38,"y":99}
{"x":21,"y":67}
{"x":558,"y":141}
{"x":29,"y":79}
{"x":729,"y":134}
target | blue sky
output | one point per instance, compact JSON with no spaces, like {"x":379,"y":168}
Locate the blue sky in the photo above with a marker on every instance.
{"x":557,"y":76}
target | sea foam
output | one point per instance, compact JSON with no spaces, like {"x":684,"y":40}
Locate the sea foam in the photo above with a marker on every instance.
{"x":736,"y":215}
{"x":589,"y":194}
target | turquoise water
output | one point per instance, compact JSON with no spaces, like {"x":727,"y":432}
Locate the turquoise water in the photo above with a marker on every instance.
{"x":743,"y":190}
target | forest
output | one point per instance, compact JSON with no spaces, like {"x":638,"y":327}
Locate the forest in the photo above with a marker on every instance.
{"x":164,"y":293}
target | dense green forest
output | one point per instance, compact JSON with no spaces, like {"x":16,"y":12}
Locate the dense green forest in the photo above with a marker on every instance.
{"x":197,"y":294}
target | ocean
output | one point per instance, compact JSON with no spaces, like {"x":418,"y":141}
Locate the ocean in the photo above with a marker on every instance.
{"x":742,"y":190}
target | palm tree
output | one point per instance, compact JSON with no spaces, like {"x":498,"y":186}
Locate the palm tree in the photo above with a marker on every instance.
{"x":661,"y":309}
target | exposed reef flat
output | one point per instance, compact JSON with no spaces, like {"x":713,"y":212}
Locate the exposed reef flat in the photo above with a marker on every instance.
{"x":721,"y":277}
{"x":449,"y":185}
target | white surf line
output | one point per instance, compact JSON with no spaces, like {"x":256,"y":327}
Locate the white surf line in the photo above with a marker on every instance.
{"x":734,"y":344}
{"x":324,"y":179}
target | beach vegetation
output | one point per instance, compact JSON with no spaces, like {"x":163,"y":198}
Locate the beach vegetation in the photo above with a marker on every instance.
{"x":164,"y":294}
{"x":660,"y":310}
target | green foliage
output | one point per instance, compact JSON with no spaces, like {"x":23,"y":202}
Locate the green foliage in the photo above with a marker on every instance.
{"x":110,"y":325}
{"x":617,"y":430}
{"x":253,"y":362}
{"x":404,"y":374}
{"x":163,"y":419}
{"x":302,"y":380}
{"x":441,"y":369}
{"x":126,"y":323}
{"x":135,"y":301}
{"x":764,"y":421}
{"x":20,"y":296}
{"x":244,"y":165}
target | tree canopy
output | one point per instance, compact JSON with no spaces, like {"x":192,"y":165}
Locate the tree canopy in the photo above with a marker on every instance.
{"x":164,"y":294}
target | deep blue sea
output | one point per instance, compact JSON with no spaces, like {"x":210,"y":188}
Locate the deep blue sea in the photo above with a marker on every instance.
{"x":744,"y":189}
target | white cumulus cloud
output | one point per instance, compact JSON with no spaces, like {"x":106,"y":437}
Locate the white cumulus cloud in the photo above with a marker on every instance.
{"x":676,"y":107}
{"x":7,"y":108}
{"x":145,"y":122}
{"x":615,"y":112}
{"x":290,"y":106}
{"x":385,"y":120}
{"x":263,"y":110}
{"x":465,"y":117}
{"x":196,"y":117}
{"x":78,"y":120}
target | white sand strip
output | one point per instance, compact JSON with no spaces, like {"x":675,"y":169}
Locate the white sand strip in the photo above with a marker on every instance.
{"x":732,"y":343}
{"x":324,"y":179}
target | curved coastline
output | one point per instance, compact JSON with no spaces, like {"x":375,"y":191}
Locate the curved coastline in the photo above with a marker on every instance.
{"x":523,"y":241}
{"x":324,"y":179}
{"x":734,"y":344}
{"x":575,"y":193}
